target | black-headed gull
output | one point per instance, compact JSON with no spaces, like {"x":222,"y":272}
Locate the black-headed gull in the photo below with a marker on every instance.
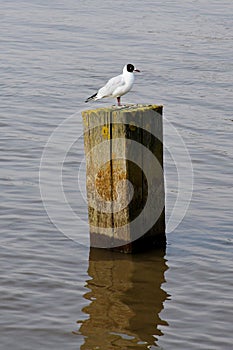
{"x":117,"y":86}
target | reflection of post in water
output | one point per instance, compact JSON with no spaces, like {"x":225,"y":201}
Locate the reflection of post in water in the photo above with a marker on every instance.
{"x":126,"y":300}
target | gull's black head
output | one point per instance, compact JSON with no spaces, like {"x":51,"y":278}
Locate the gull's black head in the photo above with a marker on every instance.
{"x":130,"y":68}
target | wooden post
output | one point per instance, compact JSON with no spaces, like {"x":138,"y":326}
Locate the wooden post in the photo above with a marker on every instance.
{"x":124,"y":177}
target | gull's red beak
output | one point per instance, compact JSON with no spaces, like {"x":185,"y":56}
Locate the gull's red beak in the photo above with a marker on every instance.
{"x":136,"y":70}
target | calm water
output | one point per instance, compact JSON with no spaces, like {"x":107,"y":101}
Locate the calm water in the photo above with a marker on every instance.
{"x":55,"y":292}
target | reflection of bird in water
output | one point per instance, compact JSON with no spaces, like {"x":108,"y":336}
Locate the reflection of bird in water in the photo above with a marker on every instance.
{"x":117,"y":86}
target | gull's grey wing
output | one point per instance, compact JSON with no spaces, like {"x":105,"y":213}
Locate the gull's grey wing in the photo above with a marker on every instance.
{"x":111,"y":86}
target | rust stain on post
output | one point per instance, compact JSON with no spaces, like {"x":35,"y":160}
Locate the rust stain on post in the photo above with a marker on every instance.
{"x":124,"y":177}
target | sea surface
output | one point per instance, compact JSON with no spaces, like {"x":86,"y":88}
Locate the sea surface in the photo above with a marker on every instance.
{"x":56,"y":292}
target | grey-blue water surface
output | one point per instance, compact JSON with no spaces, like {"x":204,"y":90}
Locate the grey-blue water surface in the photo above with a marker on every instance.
{"x":55,"y":291}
